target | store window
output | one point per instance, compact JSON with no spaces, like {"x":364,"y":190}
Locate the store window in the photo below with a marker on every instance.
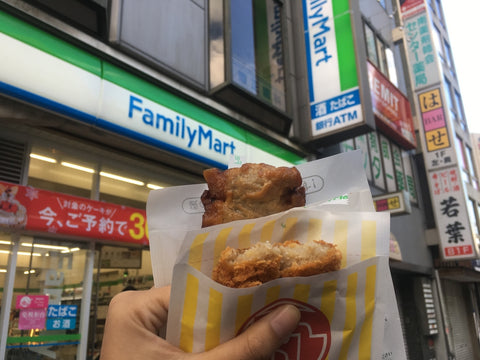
{"x":117,"y":269}
{"x":55,"y":170}
{"x":46,"y":304}
{"x":124,"y":186}
{"x":5,"y":248}
{"x":51,"y":269}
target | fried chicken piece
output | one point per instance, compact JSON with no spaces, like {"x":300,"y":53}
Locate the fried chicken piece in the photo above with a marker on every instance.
{"x":241,"y":268}
{"x":250,"y":191}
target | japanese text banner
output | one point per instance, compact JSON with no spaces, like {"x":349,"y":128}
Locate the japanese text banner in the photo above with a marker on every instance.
{"x":40,"y":210}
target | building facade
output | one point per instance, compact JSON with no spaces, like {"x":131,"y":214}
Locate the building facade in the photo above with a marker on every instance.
{"x":103,"y":100}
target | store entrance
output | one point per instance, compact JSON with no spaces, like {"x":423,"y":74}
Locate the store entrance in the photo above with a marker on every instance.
{"x":47,"y":295}
{"x":117,"y":269}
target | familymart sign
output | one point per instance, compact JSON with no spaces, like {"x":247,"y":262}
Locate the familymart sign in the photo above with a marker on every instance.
{"x":48,"y":72}
{"x":331,"y":63}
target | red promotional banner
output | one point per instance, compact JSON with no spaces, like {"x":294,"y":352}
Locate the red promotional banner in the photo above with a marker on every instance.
{"x":40,"y":210}
{"x":391,"y":109}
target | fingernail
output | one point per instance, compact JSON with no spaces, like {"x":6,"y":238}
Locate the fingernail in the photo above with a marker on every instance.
{"x":284,"y":320}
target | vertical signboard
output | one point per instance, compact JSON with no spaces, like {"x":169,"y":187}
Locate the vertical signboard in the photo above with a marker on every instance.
{"x":361,"y":143}
{"x":387,"y":163}
{"x":436,"y":134}
{"x":376,"y":160}
{"x":398,"y":166}
{"x":410,"y":181}
{"x":451,"y":215}
{"x":424,"y":67}
{"x":334,"y":95}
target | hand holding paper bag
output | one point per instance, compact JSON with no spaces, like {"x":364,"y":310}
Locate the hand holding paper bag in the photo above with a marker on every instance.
{"x":136,"y":317}
{"x":343,"y":312}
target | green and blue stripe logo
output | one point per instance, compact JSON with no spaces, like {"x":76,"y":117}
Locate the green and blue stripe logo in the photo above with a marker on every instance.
{"x":44,"y":70}
{"x":331,"y":63}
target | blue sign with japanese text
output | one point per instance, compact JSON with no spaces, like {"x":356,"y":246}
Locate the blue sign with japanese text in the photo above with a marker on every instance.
{"x":61,"y":317}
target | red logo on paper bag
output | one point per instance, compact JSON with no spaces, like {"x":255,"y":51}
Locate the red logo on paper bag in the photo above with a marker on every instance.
{"x":310,"y":340}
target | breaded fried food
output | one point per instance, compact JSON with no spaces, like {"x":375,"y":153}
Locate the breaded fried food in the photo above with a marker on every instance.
{"x":250,"y":191}
{"x":241,"y":268}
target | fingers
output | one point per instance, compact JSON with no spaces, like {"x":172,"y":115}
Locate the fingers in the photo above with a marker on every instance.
{"x":133,"y":321}
{"x":261,"y":339}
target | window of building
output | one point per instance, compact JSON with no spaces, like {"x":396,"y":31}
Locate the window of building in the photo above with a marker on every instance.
{"x":371,"y":43}
{"x":473,"y":216}
{"x":450,"y":99}
{"x":471,"y":167}
{"x":380,"y":55}
{"x":439,"y":12}
{"x":437,"y":40}
{"x":449,"y":57}
{"x":247,"y":65}
{"x":478,"y":217}
{"x":89,"y":16}
{"x":217,"y":43}
{"x":459,"y":109}
{"x":461,"y":159}
{"x":392,"y":69}
{"x":431,"y":7}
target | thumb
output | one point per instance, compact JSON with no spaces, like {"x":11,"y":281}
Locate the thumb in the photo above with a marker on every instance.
{"x":261,"y":339}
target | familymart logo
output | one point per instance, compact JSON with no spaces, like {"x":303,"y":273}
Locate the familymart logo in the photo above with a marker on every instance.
{"x":179,"y":129}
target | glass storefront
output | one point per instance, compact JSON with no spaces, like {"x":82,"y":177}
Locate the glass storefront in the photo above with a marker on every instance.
{"x":117,"y":269}
{"x":46,"y":302}
{"x":63,"y":281}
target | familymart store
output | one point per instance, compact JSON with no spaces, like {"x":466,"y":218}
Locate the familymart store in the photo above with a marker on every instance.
{"x":82,"y":143}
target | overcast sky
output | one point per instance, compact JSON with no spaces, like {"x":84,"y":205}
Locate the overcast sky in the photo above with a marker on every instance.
{"x":462,"y":17}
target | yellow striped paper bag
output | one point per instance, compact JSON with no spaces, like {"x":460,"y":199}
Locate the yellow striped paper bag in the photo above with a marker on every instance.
{"x":344,"y":306}
{"x":341,"y":311}
{"x":358,"y":235}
